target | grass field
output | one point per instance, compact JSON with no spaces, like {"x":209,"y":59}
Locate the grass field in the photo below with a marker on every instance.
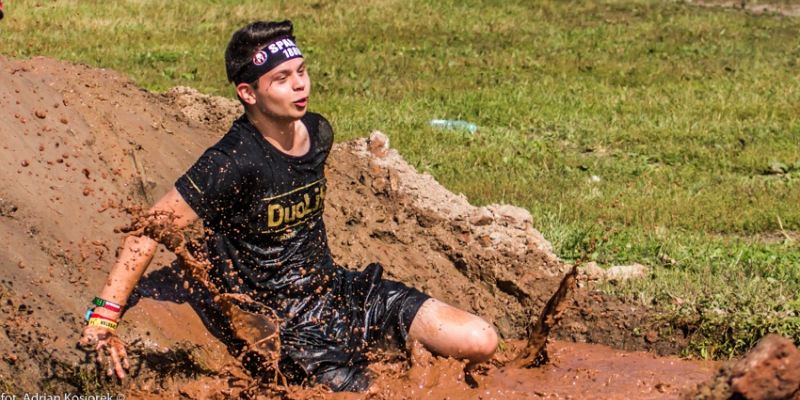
{"x":666,"y":132}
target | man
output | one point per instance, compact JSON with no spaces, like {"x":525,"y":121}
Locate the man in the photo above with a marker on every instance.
{"x":260,"y":192}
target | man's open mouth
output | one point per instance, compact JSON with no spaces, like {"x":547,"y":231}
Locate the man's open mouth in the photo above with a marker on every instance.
{"x":302,"y":102}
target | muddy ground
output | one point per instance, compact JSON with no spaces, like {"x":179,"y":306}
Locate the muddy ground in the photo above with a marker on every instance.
{"x":78,"y":142}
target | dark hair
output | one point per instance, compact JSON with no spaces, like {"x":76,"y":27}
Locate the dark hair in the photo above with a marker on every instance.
{"x":249,"y":39}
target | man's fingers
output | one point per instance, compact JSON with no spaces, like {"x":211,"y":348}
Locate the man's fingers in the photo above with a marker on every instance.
{"x":100,"y":359}
{"x":110,"y":351}
{"x":124,"y":356}
{"x":101,"y":348}
{"x":119,"y":346}
{"x":109,"y":366}
{"x":115,"y":363}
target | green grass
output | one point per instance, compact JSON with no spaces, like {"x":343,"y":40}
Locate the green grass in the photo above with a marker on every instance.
{"x":687,"y":115}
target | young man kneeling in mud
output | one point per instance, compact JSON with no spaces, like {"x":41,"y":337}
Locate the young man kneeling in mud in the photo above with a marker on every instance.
{"x":260,"y":192}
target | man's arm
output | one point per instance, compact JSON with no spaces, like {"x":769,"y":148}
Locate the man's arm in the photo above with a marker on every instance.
{"x":137,"y":252}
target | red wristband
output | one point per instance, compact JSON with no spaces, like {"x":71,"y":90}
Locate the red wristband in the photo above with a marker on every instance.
{"x":96,"y":315}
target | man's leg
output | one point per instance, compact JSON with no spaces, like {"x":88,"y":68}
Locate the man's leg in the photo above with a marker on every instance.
{"x":448,"y":331}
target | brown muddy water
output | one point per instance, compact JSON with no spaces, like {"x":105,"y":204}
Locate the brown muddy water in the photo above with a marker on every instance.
{"x":575,"y":371}
{"x":572,"y":370}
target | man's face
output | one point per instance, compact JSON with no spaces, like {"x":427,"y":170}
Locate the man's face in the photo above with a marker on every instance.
{"x":283,"y":92}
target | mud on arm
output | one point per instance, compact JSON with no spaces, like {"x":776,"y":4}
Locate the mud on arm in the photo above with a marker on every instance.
{"x":133,"y":260}
{"x":138,"y":251}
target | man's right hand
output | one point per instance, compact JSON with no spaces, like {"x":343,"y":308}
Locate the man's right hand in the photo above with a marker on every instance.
{"x":109,"y":347}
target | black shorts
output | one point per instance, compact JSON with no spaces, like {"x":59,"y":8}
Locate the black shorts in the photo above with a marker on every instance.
{"x":325,"y":338}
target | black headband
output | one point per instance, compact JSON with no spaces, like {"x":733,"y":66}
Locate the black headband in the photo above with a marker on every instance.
{"x":270,"y":56}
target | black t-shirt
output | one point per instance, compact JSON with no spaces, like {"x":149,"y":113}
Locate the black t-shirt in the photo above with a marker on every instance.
{"x":262,"y":210}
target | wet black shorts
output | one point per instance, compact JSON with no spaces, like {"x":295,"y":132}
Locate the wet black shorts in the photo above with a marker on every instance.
{"x":325,"y":338}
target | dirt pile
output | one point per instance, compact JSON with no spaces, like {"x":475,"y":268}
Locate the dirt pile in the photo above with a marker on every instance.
{"x":78,"y":142}
{"x":771,"y":370}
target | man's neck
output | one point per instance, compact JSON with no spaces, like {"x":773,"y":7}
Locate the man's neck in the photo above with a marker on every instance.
{"x":278,"y":132}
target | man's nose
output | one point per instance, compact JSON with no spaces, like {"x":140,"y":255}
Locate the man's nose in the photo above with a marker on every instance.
{"x":298,"y":83}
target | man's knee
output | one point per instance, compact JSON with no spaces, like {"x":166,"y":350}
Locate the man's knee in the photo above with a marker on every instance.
{"x":481,"y":341}
{"x":448,"y":331}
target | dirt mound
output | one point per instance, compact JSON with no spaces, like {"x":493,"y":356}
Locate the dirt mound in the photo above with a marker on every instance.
{"x":771,"y":370}
{"x":78,"y":142}
{"x":213,"y":112}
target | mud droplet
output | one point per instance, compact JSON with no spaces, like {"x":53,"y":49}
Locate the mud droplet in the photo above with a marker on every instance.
{"x":41,"y":114}
{"x":10,"y":358}
{"x":25,"y":163}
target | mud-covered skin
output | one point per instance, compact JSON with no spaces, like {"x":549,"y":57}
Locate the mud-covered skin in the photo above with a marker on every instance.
{"x":109,"y":349}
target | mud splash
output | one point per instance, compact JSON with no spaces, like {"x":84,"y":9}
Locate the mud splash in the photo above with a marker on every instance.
{"x":535,"y":352}
{"x":259,"y":331}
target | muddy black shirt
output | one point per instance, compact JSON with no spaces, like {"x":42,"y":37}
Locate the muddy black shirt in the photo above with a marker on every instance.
{"x":262,"y":210}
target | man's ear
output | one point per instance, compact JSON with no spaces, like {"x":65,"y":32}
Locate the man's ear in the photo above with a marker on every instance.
{"x":246,"y":93}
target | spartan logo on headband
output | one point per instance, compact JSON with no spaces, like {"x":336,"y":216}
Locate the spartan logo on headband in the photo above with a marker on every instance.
{"x":268,"y":57}
{"x":260,"y":58}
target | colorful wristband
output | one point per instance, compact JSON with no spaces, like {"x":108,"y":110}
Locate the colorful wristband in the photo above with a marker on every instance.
{"x":103,"y":323}
{"x":96,"y":315}
{"x":88,"y":313}
{"x":107,"y":304}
